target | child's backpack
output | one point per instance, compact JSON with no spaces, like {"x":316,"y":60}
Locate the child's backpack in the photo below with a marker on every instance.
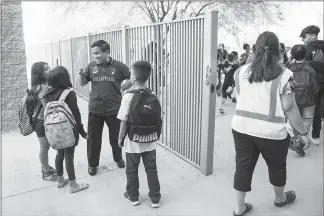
{"x":144,"y":121}
{"x":305,"y":86}
{"x":59,"y":123}
{"x":26,"y":123}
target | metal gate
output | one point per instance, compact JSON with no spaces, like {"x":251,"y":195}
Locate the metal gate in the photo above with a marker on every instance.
{"x":184,"y":61}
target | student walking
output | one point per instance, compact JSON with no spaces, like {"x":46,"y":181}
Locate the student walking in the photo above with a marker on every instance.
{"x":315,"y":52}
{"x":106,"y":76}
{"x":140,"y":128}
{"x":36,"y":103}
{"x":229,"y":69}
{"x":59,"y":80}
{"x":264,"y":97}
{"x":305,"y":91}
{"x":244,"y":56}
{"x":220,"y":67}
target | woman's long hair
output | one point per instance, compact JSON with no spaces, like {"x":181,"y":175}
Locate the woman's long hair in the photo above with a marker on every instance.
{"x":37,"y":78}
{"x":59,"y":77}
{"x":284,"y":53}
{"x":266,"y":65}
{"x":37,"y":75}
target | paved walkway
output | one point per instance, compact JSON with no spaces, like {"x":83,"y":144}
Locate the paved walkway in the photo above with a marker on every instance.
{"x":185,"y":191}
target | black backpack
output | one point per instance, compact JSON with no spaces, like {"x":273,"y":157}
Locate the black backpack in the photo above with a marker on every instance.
{"x":305,"y":87}
{"x":144,"y":120}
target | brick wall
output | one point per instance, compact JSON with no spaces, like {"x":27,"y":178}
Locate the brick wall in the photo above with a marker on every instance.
{"x":13,"y":63}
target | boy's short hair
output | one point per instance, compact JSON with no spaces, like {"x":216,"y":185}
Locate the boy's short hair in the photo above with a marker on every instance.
{"x":230,"y":57}
{"x":142,"y":70}
{"x":245,"y":46}
{"x":103,"y":45}
{"x":234,"y":53}
{"x":298,"y":52}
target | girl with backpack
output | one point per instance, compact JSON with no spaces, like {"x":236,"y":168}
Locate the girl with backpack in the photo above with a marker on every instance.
{"x":35,"y":108}
{"x":59,"y":80}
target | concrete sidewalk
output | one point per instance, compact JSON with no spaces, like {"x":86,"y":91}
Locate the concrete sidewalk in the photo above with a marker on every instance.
{"x":185,"y":191}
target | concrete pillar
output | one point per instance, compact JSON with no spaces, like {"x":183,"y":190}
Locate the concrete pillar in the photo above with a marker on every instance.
{"x":13,"y":64}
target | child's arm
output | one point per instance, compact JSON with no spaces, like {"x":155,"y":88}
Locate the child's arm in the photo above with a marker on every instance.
{"x":122,"y":131}
{"x":127,"y":85}
{"x":71,"y":101}
{"x":127,"y":76}
{"x":123,"y":117}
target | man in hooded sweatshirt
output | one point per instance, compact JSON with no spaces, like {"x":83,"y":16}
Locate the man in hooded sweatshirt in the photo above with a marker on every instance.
{"x":315,"y":54}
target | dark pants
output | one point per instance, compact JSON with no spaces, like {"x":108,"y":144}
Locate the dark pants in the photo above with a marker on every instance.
{"x":317,"y":121}
{"x":149,"y":161}
{"x":68,"y":155}
{"x":95,"y":127}
{"x":248,"y":149}
{"x":224,"y":88}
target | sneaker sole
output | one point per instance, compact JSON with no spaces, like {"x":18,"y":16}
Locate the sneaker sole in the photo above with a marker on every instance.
{"x":132,"y":203}
{"x":155,"y":205}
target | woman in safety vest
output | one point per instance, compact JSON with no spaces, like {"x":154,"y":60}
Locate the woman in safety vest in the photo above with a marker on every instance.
{"x":265,"y":98}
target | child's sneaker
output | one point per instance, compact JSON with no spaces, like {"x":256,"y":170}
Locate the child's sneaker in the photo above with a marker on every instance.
{"x":133,"y":202}
{"x":315,"y":141}
{"x":221,"y":111}
{"x":155,"y":204}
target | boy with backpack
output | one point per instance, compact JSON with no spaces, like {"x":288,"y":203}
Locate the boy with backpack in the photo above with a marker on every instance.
{"x":315,"y":52}
{"x":140,"y":128}
{"x":305,"y":91}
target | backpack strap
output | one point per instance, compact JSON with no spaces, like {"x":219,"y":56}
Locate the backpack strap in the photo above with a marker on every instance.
{"x":136,"y":91}
{"x":64,"y":94}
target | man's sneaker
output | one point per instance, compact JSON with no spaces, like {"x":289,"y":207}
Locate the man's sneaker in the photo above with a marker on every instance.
{"x":155,"y":204}
{"x":233,"y":100}
{"x":121,"y":164}
{"x":315,"y":141}
{"x":133,"y":202}
{"x":92,"y":171}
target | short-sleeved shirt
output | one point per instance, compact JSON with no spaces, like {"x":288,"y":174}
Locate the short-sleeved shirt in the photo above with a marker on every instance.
{"x":130,"y":146}
{"x":106,"y":79}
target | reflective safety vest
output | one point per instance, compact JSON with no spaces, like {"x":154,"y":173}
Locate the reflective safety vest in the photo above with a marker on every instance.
{"x":259,"y":111}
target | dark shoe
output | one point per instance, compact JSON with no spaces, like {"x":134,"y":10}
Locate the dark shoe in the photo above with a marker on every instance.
{"x":155,"y":204}
{"x":221,"y":111}
{"x":290,"y":198}
{"x":248,"y":207}
{"x":298,"y":148}
{"x":233,"y":100}
{"x":133,"y":202}
{"x":121,"y":163}
{"x":92,"y":171}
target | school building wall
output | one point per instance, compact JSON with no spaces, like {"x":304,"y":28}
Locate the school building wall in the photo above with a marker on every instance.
{"x":13,"y":63}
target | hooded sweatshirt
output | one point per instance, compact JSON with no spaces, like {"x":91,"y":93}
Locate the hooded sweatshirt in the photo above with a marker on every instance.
{"x":315,"y":51}
{"x":71,"y":100}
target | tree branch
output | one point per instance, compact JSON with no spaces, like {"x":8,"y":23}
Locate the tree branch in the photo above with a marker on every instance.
{"x":146,"y":10}
{"x":204,"y":6}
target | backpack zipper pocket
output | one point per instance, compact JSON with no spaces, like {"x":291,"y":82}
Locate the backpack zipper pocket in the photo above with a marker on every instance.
{"x":56,"y":122}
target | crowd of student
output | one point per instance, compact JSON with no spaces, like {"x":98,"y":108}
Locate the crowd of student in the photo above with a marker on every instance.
{"x":284,"y":91}
{"x":304,"y":59}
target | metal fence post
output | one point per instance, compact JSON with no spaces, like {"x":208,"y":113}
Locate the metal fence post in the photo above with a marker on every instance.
{"x":125,"y":46}
{"x":59,"y":51}
{"x":72,"y":69}
{"x":89,"y":53}
{"x":209,"y":96}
